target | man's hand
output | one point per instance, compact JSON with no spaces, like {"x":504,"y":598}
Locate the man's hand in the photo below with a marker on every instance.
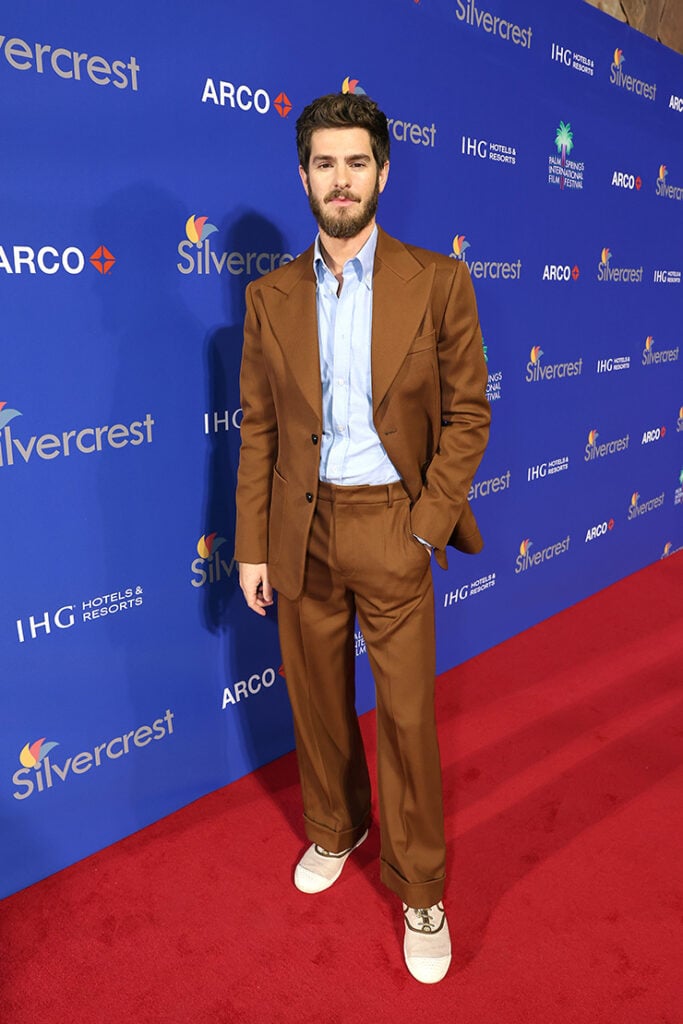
{"x":257,"y":591}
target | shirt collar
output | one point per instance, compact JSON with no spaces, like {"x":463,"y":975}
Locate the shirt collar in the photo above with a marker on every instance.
{"x":363,"y":262}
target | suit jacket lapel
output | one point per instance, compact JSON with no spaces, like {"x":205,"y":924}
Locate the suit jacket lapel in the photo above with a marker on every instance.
{"x":293,"y":315}
{"x":401,"y":290}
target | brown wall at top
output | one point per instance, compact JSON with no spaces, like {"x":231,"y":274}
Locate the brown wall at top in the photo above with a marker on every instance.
{"x":661,"y":19}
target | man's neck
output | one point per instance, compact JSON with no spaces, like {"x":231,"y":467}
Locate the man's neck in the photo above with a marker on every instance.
{"x":336,"y":251}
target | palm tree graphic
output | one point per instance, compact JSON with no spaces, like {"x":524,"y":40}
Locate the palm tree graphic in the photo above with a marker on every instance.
{"x":564,"y":140}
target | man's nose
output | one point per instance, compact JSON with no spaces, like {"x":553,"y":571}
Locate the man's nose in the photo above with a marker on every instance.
{"x":342,"y":176}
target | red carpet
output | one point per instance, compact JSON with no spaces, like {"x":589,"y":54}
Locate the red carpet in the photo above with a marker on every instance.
{"x":562,"y":767}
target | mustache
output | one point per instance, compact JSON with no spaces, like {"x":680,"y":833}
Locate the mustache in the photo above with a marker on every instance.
{"x":340,"y":193}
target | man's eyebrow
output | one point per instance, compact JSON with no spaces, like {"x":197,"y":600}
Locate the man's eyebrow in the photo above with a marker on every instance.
{"x":349,"y":159}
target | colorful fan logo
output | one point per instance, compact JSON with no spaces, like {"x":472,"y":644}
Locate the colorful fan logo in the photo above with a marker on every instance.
{"x":634,"y":499}
{"x":605,"y":257}
{"x":535,"y":354}
{"x":460,"y":243}
{"x":649,"y":342}
{"x":33,"y":753}
{"x":662,"y":172}
{"x":524,"y":547}
{"x":680,"y":413}
{"x":7,"y":414}
{"x":198,"y":228}
{"x":207,"y":544}
{"x":351,"y":85}
{"x":667,"y":549}
{"x":592,"y":436}
{"x":619,"y":57}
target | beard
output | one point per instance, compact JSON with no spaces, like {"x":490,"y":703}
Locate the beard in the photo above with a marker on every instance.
{"x":348,"y":221}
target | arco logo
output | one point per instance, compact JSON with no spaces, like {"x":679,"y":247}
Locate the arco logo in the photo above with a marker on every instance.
{"x":19,"y":259}
{"x":352,"y":85}
{"x":244,"y":98}
{"x":33,"y":753}
{"x":198,"y":228}
{"x":102,"y":260}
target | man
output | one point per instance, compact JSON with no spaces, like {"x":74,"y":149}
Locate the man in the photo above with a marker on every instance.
{"x":365,"y":418}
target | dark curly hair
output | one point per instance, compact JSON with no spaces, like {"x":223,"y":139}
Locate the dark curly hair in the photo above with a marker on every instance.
{"x":343,"y":110}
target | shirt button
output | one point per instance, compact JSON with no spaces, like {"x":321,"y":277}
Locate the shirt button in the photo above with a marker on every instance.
{"x":309,"y":497}
{"x":314,"y":438}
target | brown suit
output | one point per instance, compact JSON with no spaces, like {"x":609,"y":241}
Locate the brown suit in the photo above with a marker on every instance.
{"x":431,"y":415}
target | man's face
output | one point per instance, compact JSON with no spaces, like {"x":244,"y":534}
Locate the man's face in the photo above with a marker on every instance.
{"x":343,"y":180}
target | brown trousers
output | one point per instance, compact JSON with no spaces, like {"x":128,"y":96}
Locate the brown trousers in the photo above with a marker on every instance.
{"x":362,"y":559}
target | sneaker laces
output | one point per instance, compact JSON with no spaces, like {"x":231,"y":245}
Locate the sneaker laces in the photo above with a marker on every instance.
{"x":425,"y":922}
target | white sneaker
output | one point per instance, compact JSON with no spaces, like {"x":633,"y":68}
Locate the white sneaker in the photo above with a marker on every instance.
{"x":318,"y":870}
{"x":427,"y":943}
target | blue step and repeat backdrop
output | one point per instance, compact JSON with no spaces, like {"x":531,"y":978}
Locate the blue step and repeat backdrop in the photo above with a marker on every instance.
{"x":148,"y":174}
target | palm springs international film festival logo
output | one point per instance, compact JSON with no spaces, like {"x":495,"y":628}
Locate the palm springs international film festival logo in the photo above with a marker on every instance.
{"x":678,"y":493}
{"x":39,"y":773}
{"x":400,"y":130}
{"x":652,"y":357}
{"x":82,"y":441}
{"x":494,"y":270}
{"x":562,"y":171}
{"x":536,"y":371}
{"x":618,"y":77}
{"x":665,"y":191}
{"x":624,"y":275}
{"x":198,"y":257}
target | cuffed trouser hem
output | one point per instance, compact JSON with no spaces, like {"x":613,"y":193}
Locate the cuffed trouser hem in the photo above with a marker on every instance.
{"x":413,"y":894}
{"x":334,"y":842}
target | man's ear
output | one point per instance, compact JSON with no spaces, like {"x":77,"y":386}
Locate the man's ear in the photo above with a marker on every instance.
{"x":383,"y":175}
{"x":304,"y":178}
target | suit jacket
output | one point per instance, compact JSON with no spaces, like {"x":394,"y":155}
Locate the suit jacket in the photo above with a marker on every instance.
{"x":428,"y":394}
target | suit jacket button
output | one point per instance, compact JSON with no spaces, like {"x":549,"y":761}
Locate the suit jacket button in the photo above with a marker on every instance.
{"x":309,"y":496}
{"x":314,"y":438}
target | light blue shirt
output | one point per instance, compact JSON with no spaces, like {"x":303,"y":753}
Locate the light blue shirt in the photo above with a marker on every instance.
{"x":351,"y":452}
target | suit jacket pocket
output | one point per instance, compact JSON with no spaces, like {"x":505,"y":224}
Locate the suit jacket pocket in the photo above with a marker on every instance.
{"x":278,"y":505}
